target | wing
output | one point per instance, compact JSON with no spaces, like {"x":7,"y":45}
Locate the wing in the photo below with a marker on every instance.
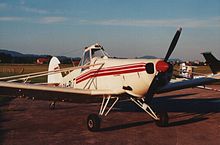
{"x":53,"y":92}
{"x":208,"y":88}
{"x":189,"y":83}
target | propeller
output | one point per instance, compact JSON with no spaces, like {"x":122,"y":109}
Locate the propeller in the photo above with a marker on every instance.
{"x":173,"y":44}
{"x":164,"y":69}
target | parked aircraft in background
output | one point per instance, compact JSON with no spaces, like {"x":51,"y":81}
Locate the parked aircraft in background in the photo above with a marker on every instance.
{"x":186,"y":72}
{"x":101,"y":76}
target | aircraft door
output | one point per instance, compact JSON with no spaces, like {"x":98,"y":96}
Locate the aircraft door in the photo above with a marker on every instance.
{"x":86,"y":60}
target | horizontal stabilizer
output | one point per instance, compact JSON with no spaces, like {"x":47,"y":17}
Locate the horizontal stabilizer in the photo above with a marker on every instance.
{"x":188,"y":83}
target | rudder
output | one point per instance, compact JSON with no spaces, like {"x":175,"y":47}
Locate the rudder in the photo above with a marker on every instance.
{"x":54,"y":78}
{"x":212,"y":62}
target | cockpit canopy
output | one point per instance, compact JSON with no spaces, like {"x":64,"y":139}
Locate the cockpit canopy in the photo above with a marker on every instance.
{"x":93,"y":51}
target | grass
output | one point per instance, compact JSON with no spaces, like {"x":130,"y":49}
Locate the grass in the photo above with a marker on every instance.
{"x":17,"y":69}
{"x":198,"y":69}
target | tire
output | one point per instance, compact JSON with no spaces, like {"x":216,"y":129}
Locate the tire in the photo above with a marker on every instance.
{"x":163,"y":119}
{"x":93,"y":122}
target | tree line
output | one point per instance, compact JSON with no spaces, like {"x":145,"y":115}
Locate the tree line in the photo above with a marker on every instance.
{"x":31,"y":59}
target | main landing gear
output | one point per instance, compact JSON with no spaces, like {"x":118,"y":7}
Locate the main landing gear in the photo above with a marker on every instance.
{"x":161,"y":119}
{"x":94,"y":120}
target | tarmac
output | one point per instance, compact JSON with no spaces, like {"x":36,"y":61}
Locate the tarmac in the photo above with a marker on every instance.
{"x":194,"y":120}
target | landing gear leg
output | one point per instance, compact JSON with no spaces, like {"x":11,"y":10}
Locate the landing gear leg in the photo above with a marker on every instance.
{"x":94,"y":120}
{"x":161,"y":119}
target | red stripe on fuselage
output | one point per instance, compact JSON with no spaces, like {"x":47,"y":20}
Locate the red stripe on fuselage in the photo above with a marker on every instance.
{"x":123,"y":69}
{"x":112,"y":69}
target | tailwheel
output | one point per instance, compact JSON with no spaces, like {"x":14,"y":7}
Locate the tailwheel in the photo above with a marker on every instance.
{"x":52,"y":105}
{"x":93,"y":122}
{"x":163,"y":119}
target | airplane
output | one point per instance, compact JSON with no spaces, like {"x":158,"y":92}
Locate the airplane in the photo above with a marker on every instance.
{"x":212,"y":61}
{"x":188,"y":72}
{"x":100,"y":76}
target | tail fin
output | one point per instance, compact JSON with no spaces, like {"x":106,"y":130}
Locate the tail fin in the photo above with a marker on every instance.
{"x":54,"y":65}
{"x":212,"y":61}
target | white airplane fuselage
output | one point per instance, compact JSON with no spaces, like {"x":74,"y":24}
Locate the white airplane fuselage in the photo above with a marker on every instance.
{"x":131,"y":76}
{"x":113,"y":74}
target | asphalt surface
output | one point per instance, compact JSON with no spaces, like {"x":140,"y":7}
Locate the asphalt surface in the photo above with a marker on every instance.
{"x":194,"y":120}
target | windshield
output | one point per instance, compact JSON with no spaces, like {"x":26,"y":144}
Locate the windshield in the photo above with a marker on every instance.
{"x":97,"y":53}
{"x":93,"y":52}
{"x":86,"y":58}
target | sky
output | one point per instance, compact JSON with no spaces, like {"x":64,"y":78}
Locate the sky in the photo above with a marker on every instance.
{"x":126,"y":28}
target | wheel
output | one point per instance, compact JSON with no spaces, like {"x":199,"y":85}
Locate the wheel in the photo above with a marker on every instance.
{"x":52,"y":105}
{"x":93,"y":122}
{"x":163,"y":119}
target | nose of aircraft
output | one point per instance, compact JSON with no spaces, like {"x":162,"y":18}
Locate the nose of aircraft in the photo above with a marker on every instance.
{"x":162,"y":66}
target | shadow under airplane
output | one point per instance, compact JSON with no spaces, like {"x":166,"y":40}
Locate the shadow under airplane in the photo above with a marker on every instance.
{"x":191,"y":110}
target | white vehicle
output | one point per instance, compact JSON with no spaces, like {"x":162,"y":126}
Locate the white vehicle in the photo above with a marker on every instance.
{"x":186,"y":71}
{"x":100,"y":76}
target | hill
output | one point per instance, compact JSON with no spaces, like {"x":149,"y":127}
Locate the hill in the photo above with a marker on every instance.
{"x":147,"y":57}
{"x":12,"y":53}
{"x":8,"y":56}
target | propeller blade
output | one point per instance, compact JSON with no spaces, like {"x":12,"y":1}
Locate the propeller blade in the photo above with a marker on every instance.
{"x":173,"y":44}
{"x":164,"y":73}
